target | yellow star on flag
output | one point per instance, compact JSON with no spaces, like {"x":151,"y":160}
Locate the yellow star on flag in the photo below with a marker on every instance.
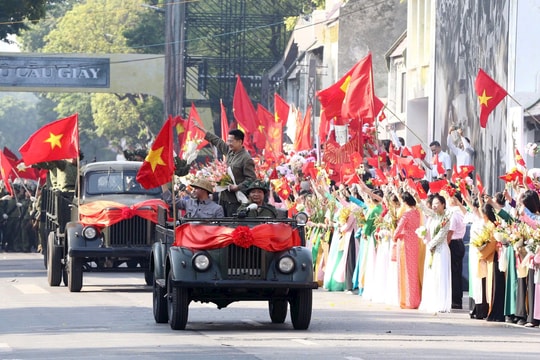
{"x":484,"y":98}
{"x":345,"y":84}
{"x":154,"y":158}
{"x":54,"y":140}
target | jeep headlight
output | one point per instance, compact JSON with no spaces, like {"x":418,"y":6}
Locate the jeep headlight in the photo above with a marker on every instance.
{"x":286,"y":264}
{"x":90,"y":232}
{"x":301,"y":218}
{"x":201,"y":261}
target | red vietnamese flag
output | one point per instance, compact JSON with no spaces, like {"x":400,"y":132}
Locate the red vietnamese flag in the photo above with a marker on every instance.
{"x":440,"y":168}
{"x":455,"y":174}
{"x":348,"y":174}
{"x":479,"y":185}
{"x":5,"y":170}
{"x":421,"y":192}
{"x":10,"y":155}
{"x":490,"y":94}
{"x":273,"y":132}
{"x":358,"y":102}
{"x":181,"y":126}
{"x":243,"y":109}
{"x":437,"y":186}
{"x":519,"y":158}
{"x":158,"y":167}
{"x":332,"y":97}
{"x":405,"y":152}
{"x":465,"y":170}
{"x":281,"y":109}
{"x":418,"y":152}
{"x":413,"y":171}
{"x":324,"y":127}
{"x":259,"y":137}
{"x":224,"y":122}
{"x":302,"y":139}
{"x":193,"y":132}
{"x":58,"y":140}
{"x":378,"y":107}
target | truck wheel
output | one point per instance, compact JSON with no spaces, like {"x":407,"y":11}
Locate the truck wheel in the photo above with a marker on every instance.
{"x":45,"y":252}
{"x":160,"y":304}
{"x":277,"y":310}
{"x":301,"y":304}
{"x":75,"y":275}
{"x":54,"y":262}
{"x":177,"y":305}
{"x":149,"y":277}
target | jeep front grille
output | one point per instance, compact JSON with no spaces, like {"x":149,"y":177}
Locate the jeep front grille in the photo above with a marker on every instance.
{"x":133,"y":232}
{"x":245,"y":264}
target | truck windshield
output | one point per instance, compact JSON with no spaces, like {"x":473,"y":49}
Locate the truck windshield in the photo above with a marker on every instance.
{"x":116,"y":182}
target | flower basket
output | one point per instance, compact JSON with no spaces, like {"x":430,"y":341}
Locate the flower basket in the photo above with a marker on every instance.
{"x":487,"y":250}
{"x":500,"y":237}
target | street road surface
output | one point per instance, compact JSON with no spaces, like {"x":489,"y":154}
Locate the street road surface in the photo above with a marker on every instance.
{"x":111,"y":318}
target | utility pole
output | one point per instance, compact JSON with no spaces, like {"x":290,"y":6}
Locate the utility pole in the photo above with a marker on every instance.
{"x":174,"y":57}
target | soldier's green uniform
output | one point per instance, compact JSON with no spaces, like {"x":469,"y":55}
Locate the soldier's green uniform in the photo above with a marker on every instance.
{"x":242,"y":167}
{"x":264,"y":210}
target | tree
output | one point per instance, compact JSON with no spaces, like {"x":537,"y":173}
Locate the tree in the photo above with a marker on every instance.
{"x":14,"y":15}
{"x":17,"y":116}
{"x":98,"y":26}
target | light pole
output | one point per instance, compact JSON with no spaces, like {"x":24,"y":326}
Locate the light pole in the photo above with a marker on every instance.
{"x":174,"y":57}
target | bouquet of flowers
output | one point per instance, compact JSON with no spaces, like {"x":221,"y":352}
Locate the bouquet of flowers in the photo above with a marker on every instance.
{"x":482,"y":238}
{"x":445,"y":219}
{"x":532,"y":149}
{"x":421,"y":232}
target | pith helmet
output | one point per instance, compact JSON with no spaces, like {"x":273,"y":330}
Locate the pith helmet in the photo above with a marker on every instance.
{"x":203,"y":184}
{"x":258,"y":184}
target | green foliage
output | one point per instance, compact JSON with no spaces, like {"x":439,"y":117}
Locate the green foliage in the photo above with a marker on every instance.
{"x":17,"y":116}
{"x":15,"y":13}
{"x":98,"y":27}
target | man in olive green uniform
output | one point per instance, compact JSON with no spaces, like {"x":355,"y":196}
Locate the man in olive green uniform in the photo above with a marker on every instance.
{"x":12,"y":229}
{"x":240,"y":162}
{"x":257,"y":206}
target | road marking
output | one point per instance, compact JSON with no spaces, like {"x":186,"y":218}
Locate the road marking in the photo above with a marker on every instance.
{"x":305,"y":342}
{"x":5,"y":347}
{"x":252,"y":322}
{"x":30,"y":289}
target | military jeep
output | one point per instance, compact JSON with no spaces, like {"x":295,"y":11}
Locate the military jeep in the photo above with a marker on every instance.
{"x":107,"y":224}
{"x":225,"y":260}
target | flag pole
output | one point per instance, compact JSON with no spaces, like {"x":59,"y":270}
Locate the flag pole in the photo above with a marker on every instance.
{"x":525,"y":110}
{"x":408,"y":128}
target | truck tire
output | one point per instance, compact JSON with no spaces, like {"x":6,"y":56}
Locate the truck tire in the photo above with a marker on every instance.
{"x":177,"y":305}
{"x":301,"y":305}
{"x":160,"y":304}
{"x":277,"y":310}
{"x":54,"y":262}
{"x":149,"y":277}
{"x":75,"y":274}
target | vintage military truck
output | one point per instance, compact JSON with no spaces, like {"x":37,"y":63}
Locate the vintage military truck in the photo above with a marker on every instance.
{"x":107,"y":224}
{"x":232,"y":259}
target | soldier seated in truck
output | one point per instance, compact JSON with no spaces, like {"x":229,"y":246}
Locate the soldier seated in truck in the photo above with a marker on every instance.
{"x":200,"y":204}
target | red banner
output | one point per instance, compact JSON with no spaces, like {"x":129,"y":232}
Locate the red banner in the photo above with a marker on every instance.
{"x":269,"y":237}
{"x":107,"y":213}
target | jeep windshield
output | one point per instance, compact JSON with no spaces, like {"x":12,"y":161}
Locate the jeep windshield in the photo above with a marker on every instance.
{"x":116,"y":182}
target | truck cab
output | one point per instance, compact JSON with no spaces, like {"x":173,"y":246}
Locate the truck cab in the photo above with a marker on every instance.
{"x":107,"y":224}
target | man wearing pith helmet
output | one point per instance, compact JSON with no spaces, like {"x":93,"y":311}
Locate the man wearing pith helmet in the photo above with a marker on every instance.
{"x":257,"y":192}
{"x":199,"y":205}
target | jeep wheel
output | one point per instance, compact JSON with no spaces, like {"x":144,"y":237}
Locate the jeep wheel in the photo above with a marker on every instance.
{"x":301,"y":304}
{"x":277,"y":310}
{"x":177,"y":305}
{"x":160,"y":304}
{"x":45,"y":252}
{"x":75,"y":274}
{"x":149,"y":277}
{"x":54,"y":262}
